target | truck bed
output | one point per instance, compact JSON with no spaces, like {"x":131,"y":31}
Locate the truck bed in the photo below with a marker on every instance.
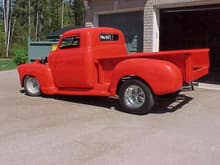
{"x":193,"y":63}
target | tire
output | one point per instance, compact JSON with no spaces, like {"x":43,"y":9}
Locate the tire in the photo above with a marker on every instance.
{"x":136,"y":97}
{"x":32,"y":86}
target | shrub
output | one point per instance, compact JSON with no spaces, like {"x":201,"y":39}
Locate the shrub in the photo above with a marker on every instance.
{"x":20,"y":56}
{"x":2,"y":51}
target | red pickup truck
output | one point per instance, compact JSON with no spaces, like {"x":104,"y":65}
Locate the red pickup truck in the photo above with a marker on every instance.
{"x":95,"y":62}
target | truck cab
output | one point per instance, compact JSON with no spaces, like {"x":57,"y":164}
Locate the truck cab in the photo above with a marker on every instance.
{"x":74,"y":63}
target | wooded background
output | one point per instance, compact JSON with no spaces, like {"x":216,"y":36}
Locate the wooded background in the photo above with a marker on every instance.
{"x":34,"y":19}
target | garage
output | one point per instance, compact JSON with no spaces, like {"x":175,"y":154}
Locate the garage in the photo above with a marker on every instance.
{"x":131,"y":23}
{"x":193,"y":27}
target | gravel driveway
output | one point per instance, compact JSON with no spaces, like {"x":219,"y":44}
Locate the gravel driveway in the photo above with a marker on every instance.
{"x":90,"y":131}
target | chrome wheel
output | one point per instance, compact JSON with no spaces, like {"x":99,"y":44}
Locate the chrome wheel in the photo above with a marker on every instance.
{"x":134,"y":96}
{"x":32,"y":86}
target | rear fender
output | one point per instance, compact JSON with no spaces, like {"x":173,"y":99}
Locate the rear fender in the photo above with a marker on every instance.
{"x":41,"y":72}
{"x":161,"y":76}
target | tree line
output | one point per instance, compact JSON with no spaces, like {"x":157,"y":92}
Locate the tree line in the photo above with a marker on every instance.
{"x":34,"y":19}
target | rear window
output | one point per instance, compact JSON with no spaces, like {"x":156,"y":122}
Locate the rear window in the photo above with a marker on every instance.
{"x":108,"y":37}
{"x":70,"y":42}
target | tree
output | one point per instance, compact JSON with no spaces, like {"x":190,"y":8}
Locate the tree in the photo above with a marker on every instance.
{"x":21,"y":19}
{"x":7,"y":23}
{"x":20,"y":15}
{"x":2,"y":34}
{"x":79,"y":12}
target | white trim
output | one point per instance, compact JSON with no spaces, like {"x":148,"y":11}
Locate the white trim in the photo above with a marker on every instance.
{"x":181,"y":3}
{"x":120,"y":11}
{"x":96,"y":20}
{"x":156,"y":30}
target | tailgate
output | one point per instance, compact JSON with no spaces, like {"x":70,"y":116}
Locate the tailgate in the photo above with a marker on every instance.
{"x":198,"y":64}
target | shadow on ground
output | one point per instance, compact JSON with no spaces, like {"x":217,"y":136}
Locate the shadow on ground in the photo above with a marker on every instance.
{"x":165,"y":104}
{"x":171,"y":103}
{"x":104,"y":102}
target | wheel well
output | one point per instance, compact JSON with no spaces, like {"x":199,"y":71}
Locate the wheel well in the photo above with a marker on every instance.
{"x":126,"y":78}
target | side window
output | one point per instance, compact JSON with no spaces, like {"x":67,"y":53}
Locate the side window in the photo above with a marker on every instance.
{"x":70,"y":42}
{"x":108,"y":37}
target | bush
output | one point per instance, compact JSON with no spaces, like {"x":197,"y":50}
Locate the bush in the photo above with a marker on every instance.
{"x":20,"y":56}
{"x":2,"y":51}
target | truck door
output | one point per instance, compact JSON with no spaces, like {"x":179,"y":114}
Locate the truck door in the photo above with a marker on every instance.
{"x":70,"y":65}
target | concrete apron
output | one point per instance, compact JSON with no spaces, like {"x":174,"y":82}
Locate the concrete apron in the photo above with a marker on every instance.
{"x":207,"y":86}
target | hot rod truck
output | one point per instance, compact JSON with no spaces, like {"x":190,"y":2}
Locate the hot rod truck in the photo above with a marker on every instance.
{"x":95,"y":62}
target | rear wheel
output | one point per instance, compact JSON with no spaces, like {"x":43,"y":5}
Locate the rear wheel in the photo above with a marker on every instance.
{"x":136,"y":97}
{"x":32,"y":86}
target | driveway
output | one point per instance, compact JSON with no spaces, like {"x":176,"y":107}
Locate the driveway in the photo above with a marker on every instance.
{"x":91,"y":131}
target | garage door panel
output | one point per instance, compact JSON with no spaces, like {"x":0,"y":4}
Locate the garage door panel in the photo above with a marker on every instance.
{"x":130,"y":23}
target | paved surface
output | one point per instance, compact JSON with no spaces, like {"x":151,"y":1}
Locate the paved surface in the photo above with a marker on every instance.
{"x":89,"y":131}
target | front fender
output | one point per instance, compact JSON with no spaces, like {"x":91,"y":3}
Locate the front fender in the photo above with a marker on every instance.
{"x":162,"y":77}
{"x":41,"y":72}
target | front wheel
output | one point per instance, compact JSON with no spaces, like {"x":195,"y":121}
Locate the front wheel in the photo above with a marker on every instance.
{"x":32,"y":86}
{"x":136,"y":97}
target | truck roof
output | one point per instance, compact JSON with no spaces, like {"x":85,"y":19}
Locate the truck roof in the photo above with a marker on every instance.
{"x":92,"y":29}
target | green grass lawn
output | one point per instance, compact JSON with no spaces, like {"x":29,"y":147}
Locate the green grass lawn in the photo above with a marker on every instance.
{"x":7,"y":64}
